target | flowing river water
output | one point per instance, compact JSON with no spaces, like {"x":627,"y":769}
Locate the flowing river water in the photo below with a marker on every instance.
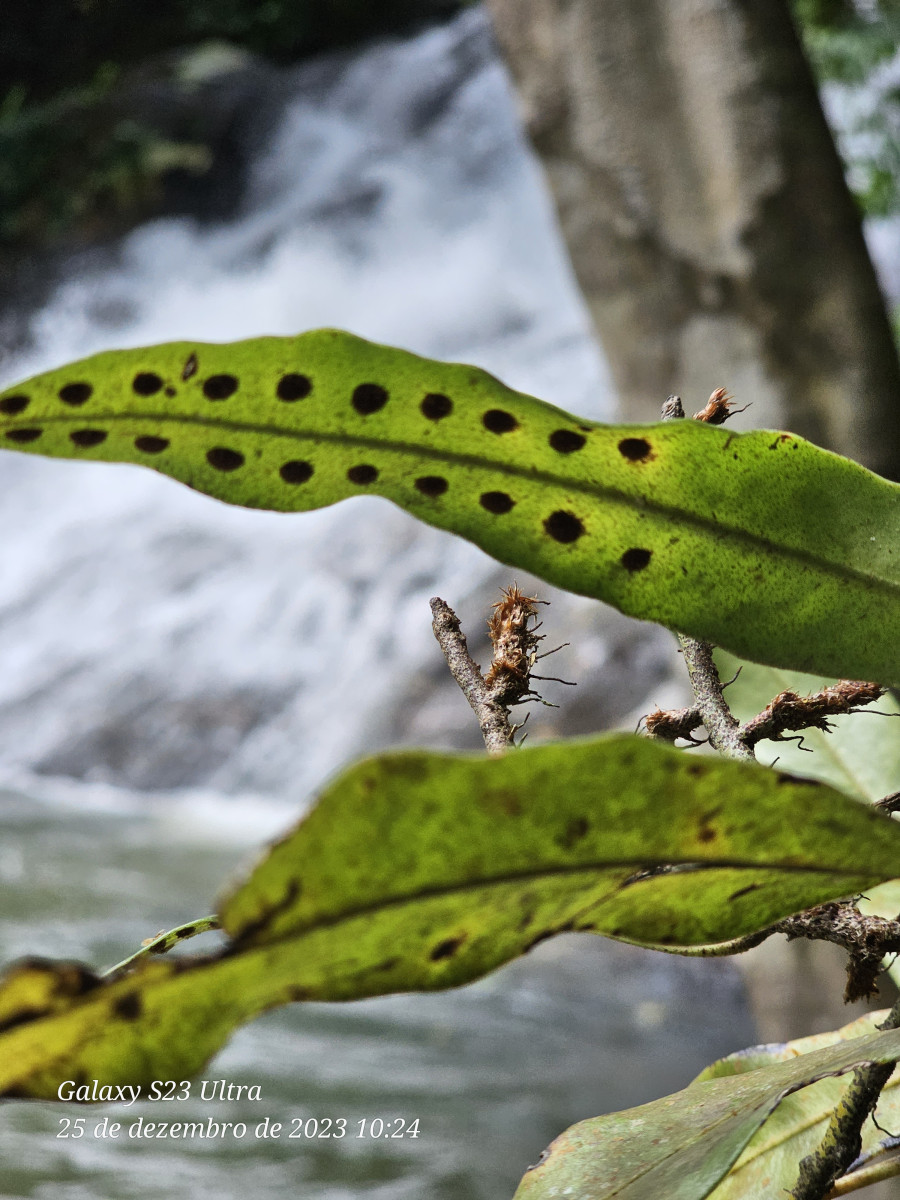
{"x":178,"y":676}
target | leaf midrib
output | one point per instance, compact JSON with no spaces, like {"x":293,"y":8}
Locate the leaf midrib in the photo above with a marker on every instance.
{"x":796,"y":553}
{"x":531,"y":875}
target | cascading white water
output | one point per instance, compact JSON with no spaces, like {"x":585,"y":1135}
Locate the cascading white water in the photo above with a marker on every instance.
{"x":156,"y":639}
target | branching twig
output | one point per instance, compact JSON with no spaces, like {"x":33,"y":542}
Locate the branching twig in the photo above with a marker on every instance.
{"x":671,"y":724}
{"x":492,"y":714}
{"x":722,"y":726}
{"x":508,"y":681}
{"x":790,"y":711}
{"x":867,"y":939}
{"x":720,"y":722}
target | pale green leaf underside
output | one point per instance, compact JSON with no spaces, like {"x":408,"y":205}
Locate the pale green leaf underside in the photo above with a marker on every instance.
{"x":419,"y":871}
{"x":768,"y":1164}
{"x":681,"y":1146}
{"x":860,"y":756}
{"x":760,"y":542}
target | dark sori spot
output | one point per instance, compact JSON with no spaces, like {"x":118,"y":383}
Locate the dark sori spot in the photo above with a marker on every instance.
{"x":497,"y":421}
{"x":151,"y":445}
{"x":634,"y":449}
{"x":636,"y":559}
{"x":446,"y":949}
{"x":170,"y":391}
{"x":24,"y":435}
{"x":14,"y":404}
{"x":496,"y":502}
{"x":224,"y":459}
{"x":87,"y":437}
{"x":220,"y":387}
{"x":75,"y":393}
{"x":431,"y":485}
{"x":566,"y":441}
{"x":436,"y":406}
{"x":146,"y":383}
{"x":364,"y":473}
{"x":576,"y":829}
{"x":128,"y":1007}
{"x":369,"y":398}
{"x":293,"y":387}
{"x":186,"y":932}
{"x":564,"y":526}
{"x":296,"y":471}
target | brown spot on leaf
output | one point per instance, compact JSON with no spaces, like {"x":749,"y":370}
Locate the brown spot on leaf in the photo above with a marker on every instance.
{"x":495,"y":420}
{"x":576,"y":829}
{"x":296,"y":471}
{"x":564,"y":526}
{"x":146,"y":383}
{"x":432,"y":485}
{"x":446,"y":948}
{"x":436,"y":406}
{"x":505,"y":800}
{"x":224,"y":459}
{"x":87,"y":437}
{"x":186,"y":931}
{"x":24,"y":435}
{"x":705,"y":834}
{"x":363,"y":474}
{"x":128,"y":1007}
{"x":497,"y":503}
{"x":635,"y":449}
{"x":75,"y":393}
{"x":636,"y":559}
{"x":14,"y":404}
{"x":566,"y":441}
{"x":220,"y":387}
{"x":151,"y":445}
{"x":293,"y":387}
{"x":368,"y":398}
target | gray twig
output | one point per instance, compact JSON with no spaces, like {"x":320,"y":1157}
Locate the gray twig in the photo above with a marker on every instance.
{"x":492,"y":715}
{"x":722,"y":726}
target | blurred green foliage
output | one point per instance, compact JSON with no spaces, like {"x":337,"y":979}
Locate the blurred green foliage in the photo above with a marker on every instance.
{"x":853,"y":47}
{"x":83,"y":151}
{"x":72,"y":164}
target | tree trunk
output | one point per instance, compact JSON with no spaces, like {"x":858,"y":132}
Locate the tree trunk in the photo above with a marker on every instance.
{"x":705,"y":209}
